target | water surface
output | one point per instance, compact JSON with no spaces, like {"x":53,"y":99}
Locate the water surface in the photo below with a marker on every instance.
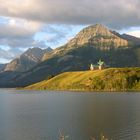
{"x":39,"y":115}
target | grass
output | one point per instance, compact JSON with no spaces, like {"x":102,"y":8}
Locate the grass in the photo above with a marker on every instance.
{"x":112,"y":79}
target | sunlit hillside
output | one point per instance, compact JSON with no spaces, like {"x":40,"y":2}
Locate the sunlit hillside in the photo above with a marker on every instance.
{"x":113,"y":79}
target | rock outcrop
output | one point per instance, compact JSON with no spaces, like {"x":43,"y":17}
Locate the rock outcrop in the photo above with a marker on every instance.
{"x":98,"y":36}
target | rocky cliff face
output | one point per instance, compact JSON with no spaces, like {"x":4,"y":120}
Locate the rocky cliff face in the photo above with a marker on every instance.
{"x":27,"y":60}
{"x":97,"y":36}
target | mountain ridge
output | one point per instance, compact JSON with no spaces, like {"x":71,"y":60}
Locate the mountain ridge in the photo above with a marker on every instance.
{"x":102,"y":33}
{"x":97,"y":36}
{"x":26,"y":60}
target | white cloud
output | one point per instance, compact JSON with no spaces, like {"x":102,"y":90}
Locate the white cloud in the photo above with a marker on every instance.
{"x":22,"y":26}
{"x":135,"y":33}
{"x":120,"y":13}
{"x":8,"y":55}
{"x":18,"y":32}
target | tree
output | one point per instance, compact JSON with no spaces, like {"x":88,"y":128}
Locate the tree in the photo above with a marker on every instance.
{"x":100,"y":63}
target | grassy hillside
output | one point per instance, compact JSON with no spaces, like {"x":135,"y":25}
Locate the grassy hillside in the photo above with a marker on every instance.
{"x":113,"y":79}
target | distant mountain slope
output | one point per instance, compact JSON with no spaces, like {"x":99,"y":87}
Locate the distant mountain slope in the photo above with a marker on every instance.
{"x":134,"y":40}
{"x":107,"y":80}
{"x":96,"y":36}
{"x":27,"y":60}
{"x":91,"y":44}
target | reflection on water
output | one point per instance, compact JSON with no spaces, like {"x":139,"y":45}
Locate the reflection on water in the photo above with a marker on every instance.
{"x":39,"y":115}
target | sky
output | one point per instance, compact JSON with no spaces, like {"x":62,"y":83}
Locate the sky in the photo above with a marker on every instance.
{"x":51,"y":23}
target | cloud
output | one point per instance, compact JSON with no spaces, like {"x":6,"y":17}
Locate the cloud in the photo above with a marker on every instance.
{"x":116,"y":14}
{"x":9,"y":54}
{"x":57,"y":35}
{"x":18,"y":32}
{"x":135,"y":33}
{"x":18,"y":28}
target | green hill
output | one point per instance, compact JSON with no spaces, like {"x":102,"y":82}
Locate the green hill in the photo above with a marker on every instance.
{"x":112,"y":79}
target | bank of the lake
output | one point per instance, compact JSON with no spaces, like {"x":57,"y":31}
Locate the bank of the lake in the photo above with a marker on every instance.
{"x":112,"y":79}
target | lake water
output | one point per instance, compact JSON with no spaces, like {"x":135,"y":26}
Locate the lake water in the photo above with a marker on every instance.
{"x":40,"y":115}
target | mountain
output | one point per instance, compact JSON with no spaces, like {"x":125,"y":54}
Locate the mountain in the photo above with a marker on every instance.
{"x":88,"y":46}
{"x":132,"y":39}
{"x":27,"y":60}
{"x":96,"y":36}
{"x":113,"y":79}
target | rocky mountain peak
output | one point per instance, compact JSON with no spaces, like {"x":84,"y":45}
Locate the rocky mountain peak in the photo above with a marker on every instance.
{"x":94,"y":30}
{"x":33,"y":50}
{"x":33,"y":54}
{"x":98,"y":36}
{"x":27,"y":60}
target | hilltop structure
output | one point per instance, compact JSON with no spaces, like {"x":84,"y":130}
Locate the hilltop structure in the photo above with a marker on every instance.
{"x":92,"y":67}
{"x":101,"y":65}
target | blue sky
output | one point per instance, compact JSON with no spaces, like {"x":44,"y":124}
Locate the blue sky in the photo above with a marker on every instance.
{"x":51,"y":23}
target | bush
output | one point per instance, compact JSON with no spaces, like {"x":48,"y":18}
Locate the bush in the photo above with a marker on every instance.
{"x":50,"y":77}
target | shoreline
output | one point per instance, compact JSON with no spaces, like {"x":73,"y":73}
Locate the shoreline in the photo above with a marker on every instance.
{"x":84,"y":91}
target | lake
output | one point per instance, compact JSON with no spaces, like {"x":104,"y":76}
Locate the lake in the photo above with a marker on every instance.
{"x":40,"y":115}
